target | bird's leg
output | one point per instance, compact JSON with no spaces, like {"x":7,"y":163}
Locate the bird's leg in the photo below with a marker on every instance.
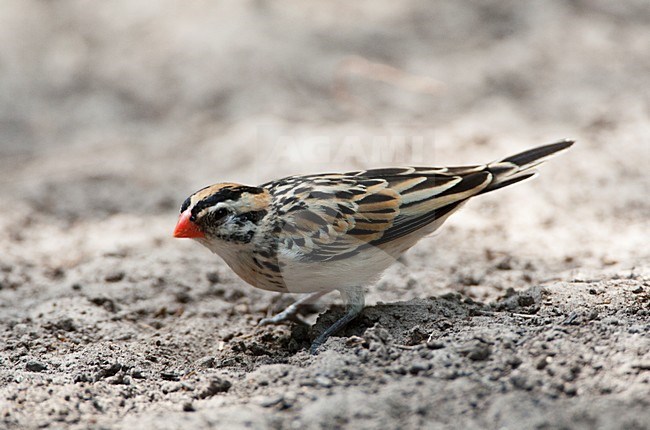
{"x":290,"y":312}
{"x":354,"y":300}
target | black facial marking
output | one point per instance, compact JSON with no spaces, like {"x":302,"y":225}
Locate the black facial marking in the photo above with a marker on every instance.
{"x":185,"y":205}
{"x":226,"y":193}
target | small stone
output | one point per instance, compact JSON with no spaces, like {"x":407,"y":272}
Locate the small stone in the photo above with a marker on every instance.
{"x":137,"y":374}
{"x":217,"y":385}
{"x":105,"y":302}
{"x":289,"y":399}
{"x":419,"y":367}
{"x":514,"y":362}
{"x":505,"y":264}
{"x":541,"y":363}
{"x":525,"y":300}
{"x":520,"y":382}
{"x":323,"y":381}
{"x":66,"y":324}
{"x":108,"y":371}
{"x":206,"y":362}
{"x":570,"y":390}
{"x":114,"y":276}
{"x":307,"y":383}
{"x":188,"y":407}
{"x":170,"y":376}
{"x":400,"y":370}
{"x":120,"y":379}
{"x":82,"y":377}
{"x":35,"y":366}
{"x":171,"y":387}
{"x":183,"y":297}
{"x":267,"y":402}
{"x":435,"y":345}
{"x":480,"y":353}
{"x":55,"y":273}
{"x":213,"y":277}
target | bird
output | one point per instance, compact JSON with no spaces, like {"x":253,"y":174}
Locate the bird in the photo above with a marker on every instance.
{"x":317,"y":233}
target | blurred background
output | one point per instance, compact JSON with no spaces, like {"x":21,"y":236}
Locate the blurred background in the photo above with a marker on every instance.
{"x":112,"y":112}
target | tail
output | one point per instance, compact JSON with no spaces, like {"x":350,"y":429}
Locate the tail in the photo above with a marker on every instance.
{"x":519,"y":167}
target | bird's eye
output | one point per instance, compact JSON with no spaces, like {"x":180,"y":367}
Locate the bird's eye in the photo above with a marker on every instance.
{"x":219,"y":213}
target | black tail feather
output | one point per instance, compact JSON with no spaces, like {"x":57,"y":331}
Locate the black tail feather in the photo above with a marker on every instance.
{"x":532,"y":155}
{"x":509,"y":181}
{"x":519,"y":167}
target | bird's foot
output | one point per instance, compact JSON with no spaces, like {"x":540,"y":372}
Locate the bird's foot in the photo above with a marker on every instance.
{"x":354,"y":299}
{"x":291,"y":312}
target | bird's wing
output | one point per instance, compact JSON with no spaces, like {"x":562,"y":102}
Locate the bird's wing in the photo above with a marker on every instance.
{"x":333,"y":216}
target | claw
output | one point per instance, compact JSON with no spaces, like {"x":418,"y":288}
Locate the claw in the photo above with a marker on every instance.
{"x":291,"y":312}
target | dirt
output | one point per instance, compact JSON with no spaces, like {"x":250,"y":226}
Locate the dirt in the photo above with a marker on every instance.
{"x":529,"y":309}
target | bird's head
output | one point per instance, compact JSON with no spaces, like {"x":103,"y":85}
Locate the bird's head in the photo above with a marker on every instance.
{"x":224,"y":212}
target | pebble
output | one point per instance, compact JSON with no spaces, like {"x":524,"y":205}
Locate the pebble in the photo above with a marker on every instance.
{"x":35,"y":366}
{"x":66,"y":324}
{"x":520,"y":382}
{"x":419,"y":367}
{"x":267,"y":402}
{"x":183,"y":297}
{"x":570,"y":390}
{"x":114,"y":276}
{"x":323,"y":381}
{"x":137,"y":374}
{"x":171,"y":387}
{"x":207,"y":361}
{"x":170,"y":376}
{"x":216,"y":385}
{"x":542,"y":363}
{"x":213,"y":277}
{"x":514,"y":361}
{"x":480,"y":353}
{"x":435,"y":345}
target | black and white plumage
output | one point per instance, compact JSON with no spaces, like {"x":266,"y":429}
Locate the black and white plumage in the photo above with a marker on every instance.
{"x":338,"y":231}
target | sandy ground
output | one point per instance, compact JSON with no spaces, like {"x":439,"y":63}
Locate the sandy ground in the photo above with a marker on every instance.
{"x":529,"y":309}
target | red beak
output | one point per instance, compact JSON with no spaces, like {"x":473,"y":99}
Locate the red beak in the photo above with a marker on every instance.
{"x":186,"y":228}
